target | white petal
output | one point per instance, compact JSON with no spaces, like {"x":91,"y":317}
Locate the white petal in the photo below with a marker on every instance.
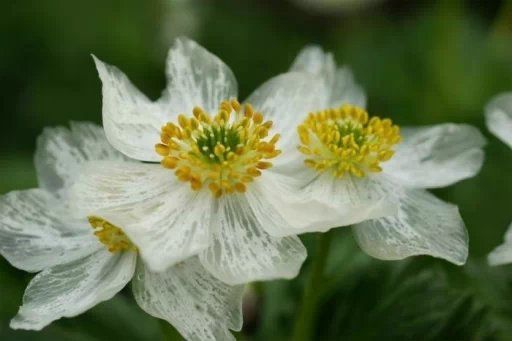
{"x":345,"y":90}
{"x":437,"y":156}
{"x":241,"y":250}
{"x":35,"y":232}
{"x":111,"y":184}
{"x":312,"y":59}
{"x":341,"y":84}
{"x":498,"y":115}
{"x":131,"y":121}
{"x":71,"y":289}
{"x":196,"y":78}
{"x":424,"y":225}
{"x":286,"y":100}
{"x":61,"y":151}
{"x":503,"y":253}
{"x":197,"y":304}
{"x":354,"y":199}
{"x":283,"y":209}
{"x":162,"y":216}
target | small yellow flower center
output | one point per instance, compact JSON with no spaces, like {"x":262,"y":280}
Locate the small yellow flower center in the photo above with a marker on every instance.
{"x":346,"y":141}
{"x":110,"y":235}
{"x":223,"y":153}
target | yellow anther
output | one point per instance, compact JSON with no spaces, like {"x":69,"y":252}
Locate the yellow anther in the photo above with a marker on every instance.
{"x":257,"y":118}
{"x":110,"y":235}
{"x":162,"y":149}
{"x":223,"y":152}
{"x":345,"y":140}
{"x":240,"y":187}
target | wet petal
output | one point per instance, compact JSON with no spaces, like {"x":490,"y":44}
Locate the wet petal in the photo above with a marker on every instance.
{"x":424,"y":225}
{"x":437,"y":156}
{"x":242,"y":251}
{"x":36,"y":231}
{"x":70,"y":289}
{"x":187,"y":296}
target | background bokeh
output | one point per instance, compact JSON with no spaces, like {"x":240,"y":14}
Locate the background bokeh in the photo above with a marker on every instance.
{"x":421,"y":62}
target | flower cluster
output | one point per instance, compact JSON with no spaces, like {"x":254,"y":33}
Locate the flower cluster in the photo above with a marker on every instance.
{"x":194,"y":195}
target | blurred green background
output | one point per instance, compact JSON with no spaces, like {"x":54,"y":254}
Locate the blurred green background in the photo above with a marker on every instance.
{"x":421,"y":62}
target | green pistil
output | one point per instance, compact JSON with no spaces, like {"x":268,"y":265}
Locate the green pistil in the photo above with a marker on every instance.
{"x":217,"y":135}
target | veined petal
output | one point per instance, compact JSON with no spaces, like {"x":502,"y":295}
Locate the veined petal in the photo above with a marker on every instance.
{"x":354,"y":199}
{"x":70,"y":289}
{"x":195,"y":77}
{"x":498,"y":116}
{"x":283,"y":209}
{"x":131,"y":121}
{"x":342,"y":87}
{"x":286,"y":100}
{"x":169,"y":228}
{"x":424,"y":225}
{"x":61,"y":151}
{"x":162,"y":216}
{"x":503,"y":253}
{"x":197,"y":304}
{"x":242,"y":251}
{"x":437,"y":156}
{"x":36,"y":232}
{"x":102,"y":185}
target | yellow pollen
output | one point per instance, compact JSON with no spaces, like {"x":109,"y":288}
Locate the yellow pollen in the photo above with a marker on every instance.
{"x":346,"y":141}
{"x":110,"y":235}
{"x":223,"y":152}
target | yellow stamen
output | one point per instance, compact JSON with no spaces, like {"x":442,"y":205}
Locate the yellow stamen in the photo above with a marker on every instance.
{"x":346,"y":141}
{"x":110,"y":235}
{"x":223,"y":153}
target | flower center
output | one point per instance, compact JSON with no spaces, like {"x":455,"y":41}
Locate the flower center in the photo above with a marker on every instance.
{"x":110,"y":235}
{"x":345,"y":140}
{"x":224,"y":152}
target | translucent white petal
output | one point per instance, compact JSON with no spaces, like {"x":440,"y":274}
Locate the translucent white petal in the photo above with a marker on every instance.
{"x":36,"y":232}
{"x":312,"y":59}
{"x":498,"y":115}
{"x":283,"y":209}
{"x":70,"y":289}
{"x":241,"y":251}
{"x":354,"y":199}
{"x":197,"y":304}
{"x":345,"y":90}
{"x":503,"y":253}
{"x":131,"y":121}
{"x":286,"y":100}
{"x":342,"y":87}
{"x":110,"y":184}
{"x":165,"y":219}
{"x":196,"y":78}
{"x":61,"y":151}
{"x":424,"y":225}
{"x":437,"y":156}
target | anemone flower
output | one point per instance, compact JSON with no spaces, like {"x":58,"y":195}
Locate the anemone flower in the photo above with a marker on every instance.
{"x":82,"y":261}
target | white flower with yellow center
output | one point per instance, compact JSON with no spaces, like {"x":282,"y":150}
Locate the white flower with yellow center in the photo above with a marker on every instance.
{"x":208,"y":186}
{"x":84,"y":260}
{"x":498,"y":114}
{"x":375,"y":174}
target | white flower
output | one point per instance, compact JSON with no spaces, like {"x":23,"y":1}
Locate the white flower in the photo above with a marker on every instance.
{"x":211,"y":193}
{"x":83,"y":261}
{"x":375,"y":174}
{"x":498,"y":115}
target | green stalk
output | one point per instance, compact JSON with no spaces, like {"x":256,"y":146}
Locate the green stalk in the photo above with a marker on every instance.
{"x":305,"y":320}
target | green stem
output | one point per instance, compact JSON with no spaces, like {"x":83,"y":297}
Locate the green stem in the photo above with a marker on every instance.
{"x":304,"y":322}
